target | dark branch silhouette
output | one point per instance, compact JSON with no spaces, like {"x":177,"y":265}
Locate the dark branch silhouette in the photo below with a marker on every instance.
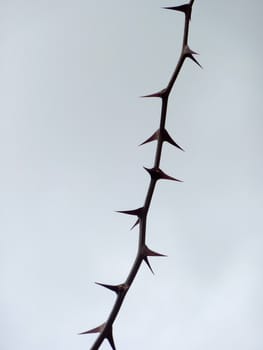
{"x":161,"y":135}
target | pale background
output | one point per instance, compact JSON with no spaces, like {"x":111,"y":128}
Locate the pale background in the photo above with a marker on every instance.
{"x":71,"y":73}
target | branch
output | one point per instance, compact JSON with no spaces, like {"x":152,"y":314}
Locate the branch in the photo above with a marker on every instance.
{"x":156,"y":174}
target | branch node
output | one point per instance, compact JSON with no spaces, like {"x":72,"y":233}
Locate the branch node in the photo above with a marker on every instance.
{"x":186,"y":9}
{"x":187,"y":52}
{"x":162,"y":94}
{"x":157,"y":174}
{"x":98,"y":329}
{"x":154,"y":137}
{"x":166,"y":137}
{"x":137,"y":212}
{"x":119,"y":288}
{"x":145,"y":251}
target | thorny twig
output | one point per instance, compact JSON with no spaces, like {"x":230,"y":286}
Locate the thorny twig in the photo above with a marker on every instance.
{"x":161,"y":135}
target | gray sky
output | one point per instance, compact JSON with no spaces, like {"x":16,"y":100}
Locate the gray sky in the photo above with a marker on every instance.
{"x":71,"y":73}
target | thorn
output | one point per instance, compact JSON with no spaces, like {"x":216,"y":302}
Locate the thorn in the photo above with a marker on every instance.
{"x":136,"y":223}
{"x":168,"y":139}
{"x":158,"y":174}
{"x":148,"y":252}
{"x":137,"y":212}
{"x":195,"y":60}
{"x":119,"y":288}
{"x":110,"y":339}
{"x":162,"y":93}
{"x":190,"y":54}
{"x":148,"y":264}
{"x":154,"y":137}
{"x":186,"y":9}
{"x":98,"y":329}
{"x":188,"y":51}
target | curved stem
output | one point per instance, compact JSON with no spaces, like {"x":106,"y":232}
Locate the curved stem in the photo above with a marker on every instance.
{"x":106,"y":332}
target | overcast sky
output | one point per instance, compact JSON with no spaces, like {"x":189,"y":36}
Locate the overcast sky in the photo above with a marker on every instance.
{"x":71,"y":73}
